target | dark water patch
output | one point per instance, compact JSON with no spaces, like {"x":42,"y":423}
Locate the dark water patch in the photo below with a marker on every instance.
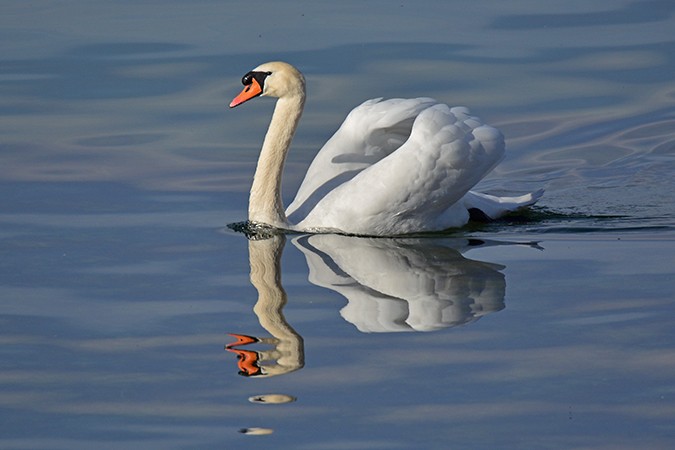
{"x":121,"y":140}
{"x":127,"y":49}
{"x":632,"y":13}
{"x":66,"y":198}
{"x":103,"y":71}
{"x":91,"y":198}
{"x":351,"y":58}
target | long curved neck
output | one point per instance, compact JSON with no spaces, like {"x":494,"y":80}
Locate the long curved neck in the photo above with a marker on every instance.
{"x":265,"y":205}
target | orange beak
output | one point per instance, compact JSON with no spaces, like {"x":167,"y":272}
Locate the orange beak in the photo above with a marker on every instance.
{"x":242,"y":339}
{"x":250,"y":91}
{"x":248,"y":362}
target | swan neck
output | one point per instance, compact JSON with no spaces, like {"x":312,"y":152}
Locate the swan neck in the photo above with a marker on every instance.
{"x":265,"y":204}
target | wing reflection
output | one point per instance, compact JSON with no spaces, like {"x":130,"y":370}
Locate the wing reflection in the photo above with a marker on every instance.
{"x":394,"y":285}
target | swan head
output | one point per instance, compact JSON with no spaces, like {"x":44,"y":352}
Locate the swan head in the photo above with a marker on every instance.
{"x":274,"y":79}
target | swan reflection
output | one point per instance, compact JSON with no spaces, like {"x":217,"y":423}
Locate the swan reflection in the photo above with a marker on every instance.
{"x":402,"y":284}
{"x":391,"y":285}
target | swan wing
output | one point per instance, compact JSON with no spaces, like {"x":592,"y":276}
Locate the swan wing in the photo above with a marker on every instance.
{"x":371,"y":131}
{"x":419,"y":186}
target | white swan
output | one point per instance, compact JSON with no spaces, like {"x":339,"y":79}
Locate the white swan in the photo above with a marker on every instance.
{"x":394,"y":167}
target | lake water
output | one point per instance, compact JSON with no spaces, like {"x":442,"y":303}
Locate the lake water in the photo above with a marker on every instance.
{"x":132,"y":317}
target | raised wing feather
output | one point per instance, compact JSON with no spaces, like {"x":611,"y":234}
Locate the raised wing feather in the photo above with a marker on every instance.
{"x":371,"y":131}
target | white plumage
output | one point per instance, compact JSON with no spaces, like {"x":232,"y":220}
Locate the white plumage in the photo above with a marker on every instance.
{"x":394,"y":166}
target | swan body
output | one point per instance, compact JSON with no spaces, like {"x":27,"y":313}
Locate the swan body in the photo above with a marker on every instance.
{"x":394,"y":167}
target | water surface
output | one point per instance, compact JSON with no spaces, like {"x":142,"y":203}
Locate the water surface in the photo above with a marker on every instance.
{"x":121,"y":283}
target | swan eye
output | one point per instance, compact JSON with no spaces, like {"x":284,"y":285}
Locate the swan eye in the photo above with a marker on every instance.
{"x":259,"y":77}
{"x":247,"y":79}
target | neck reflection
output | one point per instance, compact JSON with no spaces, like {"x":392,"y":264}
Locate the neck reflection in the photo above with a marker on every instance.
{"x":287,"y":347}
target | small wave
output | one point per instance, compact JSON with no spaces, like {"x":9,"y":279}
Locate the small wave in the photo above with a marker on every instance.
{"x":255,"y":231}
{"x":546,"y":221}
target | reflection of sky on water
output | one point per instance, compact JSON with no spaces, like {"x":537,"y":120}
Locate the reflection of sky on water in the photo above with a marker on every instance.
{"x":152,"y":112}
{"x":483,"y":28}
{"x":120,"y":165}
{"x":591,"y":344}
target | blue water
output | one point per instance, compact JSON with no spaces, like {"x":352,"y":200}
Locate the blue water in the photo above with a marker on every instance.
{"x":121,"y":284}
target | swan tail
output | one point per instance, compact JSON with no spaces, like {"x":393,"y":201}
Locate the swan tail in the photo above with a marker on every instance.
{"x":495,"y":207}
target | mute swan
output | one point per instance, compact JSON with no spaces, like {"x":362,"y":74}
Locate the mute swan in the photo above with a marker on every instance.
{"x":394,"y":167}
